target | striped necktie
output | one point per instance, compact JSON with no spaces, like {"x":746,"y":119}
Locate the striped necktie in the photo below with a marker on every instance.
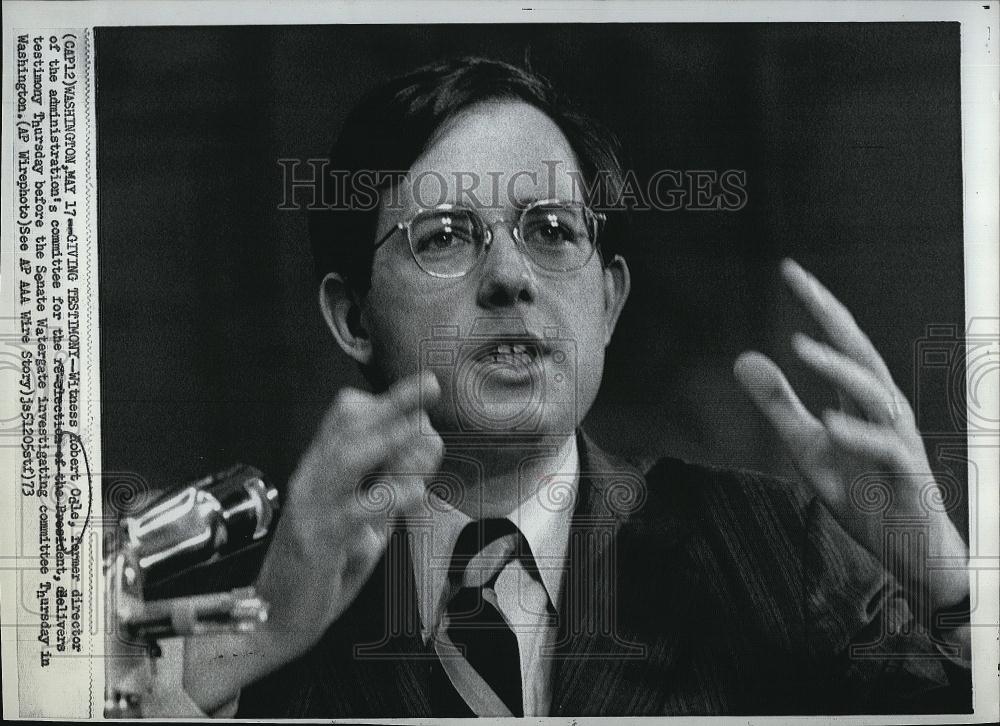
{"x":476,"y":625}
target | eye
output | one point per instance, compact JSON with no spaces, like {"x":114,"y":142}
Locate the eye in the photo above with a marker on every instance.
{"x":439,"y":241}
{"x":553,"y":233}
{"x":554,"y":228}
{"x":442,"y":233}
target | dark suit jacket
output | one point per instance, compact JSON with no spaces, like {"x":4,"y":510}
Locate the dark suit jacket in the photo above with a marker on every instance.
{"x":688,"y":590}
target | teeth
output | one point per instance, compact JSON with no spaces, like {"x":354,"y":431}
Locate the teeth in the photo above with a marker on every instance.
{"x":508,"y":351}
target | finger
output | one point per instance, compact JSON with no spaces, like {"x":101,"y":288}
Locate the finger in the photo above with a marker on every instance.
{"x":847,"y":405}
{"x":343,"y":455}
{"x":863,"y":438}
{"x":834,"y":318}
{"x":408,"y":446}
{"x":859,"y":384}
{"x":362,"y":552}
{"x":419,"y":458}
{"x":767,"y":386}
{"x":411,"y":492}
{"x":360,"y":411}
{"x":415,"y":391}
{"x":384,"y":442}
{"x":386,"y":493}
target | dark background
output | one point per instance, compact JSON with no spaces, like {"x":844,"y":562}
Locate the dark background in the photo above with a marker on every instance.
{"x":212,"y":346}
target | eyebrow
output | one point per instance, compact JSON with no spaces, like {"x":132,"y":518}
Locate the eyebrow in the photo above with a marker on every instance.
{"x":519,"y":203}
{"x":522,"y":203}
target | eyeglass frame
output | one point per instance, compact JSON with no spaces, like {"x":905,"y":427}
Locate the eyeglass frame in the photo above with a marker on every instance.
{"x":598,"y":219}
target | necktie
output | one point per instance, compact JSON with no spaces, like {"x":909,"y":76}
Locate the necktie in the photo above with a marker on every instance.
{"x":476,"y":625}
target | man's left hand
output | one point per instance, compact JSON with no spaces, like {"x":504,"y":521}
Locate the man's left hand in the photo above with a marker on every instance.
{"x":872,"y":435}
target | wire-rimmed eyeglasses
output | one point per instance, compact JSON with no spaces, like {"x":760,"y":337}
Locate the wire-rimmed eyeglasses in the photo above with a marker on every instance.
{"x":449,"y":239}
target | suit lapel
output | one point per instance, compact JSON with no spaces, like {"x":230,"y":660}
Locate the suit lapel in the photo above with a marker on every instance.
{"x":612,"y":647}
{"x":388,"y":666}
{"x":411,"y":659}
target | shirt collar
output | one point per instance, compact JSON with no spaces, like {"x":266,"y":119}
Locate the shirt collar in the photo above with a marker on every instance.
{"x":544,"y":520}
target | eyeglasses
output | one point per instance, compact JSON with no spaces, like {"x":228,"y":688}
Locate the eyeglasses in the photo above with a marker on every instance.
{"x":449,"y":240}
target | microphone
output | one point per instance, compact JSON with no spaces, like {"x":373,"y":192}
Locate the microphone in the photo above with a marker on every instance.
{"x":195,"y":524}
{"x":202,"y":521}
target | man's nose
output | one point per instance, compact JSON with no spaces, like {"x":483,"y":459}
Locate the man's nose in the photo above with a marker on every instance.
{"x":507,"y":277}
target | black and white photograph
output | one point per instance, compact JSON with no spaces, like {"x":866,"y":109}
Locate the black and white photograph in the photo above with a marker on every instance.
{"x":564,"y":369}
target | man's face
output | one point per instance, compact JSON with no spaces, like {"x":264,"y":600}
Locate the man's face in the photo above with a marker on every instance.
{"x":517,"y":154}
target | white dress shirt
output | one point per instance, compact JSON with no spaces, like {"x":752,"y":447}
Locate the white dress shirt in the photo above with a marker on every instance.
{"x":527,"y":605}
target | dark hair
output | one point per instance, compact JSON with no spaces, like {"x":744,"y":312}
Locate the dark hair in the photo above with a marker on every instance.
{"x":392,"y":126}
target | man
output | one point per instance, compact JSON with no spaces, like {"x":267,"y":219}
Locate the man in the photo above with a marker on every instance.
{"x":452,"y":544}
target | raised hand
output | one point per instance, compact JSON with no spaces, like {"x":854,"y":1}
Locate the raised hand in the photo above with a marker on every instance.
{"x":331,"y":534}
{"x":873,"y":435}
{"x":333,"y":529}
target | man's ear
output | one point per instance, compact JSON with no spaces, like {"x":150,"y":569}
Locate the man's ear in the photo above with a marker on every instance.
{"x":617,"y":283}
{"x":341,"y":308}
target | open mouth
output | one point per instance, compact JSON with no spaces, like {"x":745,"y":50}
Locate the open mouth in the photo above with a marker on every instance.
{"x":493,"y":367}
{"x":500,"y":384}
{"x":511,"y":354}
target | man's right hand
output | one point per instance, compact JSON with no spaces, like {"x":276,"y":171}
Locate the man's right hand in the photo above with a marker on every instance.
{"x":332,"y":531}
